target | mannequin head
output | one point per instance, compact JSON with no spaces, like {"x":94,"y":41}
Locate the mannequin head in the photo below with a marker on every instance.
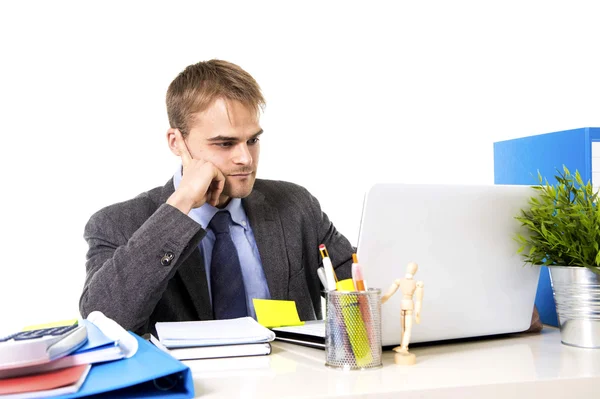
{"x":411,"y":269}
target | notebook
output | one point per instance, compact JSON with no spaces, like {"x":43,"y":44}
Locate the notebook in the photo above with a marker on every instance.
{"x":184,"y":334}
{"x":214,"y":351}
{"x":462,"y":238}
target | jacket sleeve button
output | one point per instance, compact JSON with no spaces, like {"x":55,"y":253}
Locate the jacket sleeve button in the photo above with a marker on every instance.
{"x":167,"y":258}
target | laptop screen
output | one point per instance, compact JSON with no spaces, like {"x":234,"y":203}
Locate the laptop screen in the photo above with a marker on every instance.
{"x":462,"y":238}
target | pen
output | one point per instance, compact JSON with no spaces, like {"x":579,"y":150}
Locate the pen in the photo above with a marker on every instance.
{"x":357,"y":275}
{"x":321,"y":274}
{"x":329,"y":272}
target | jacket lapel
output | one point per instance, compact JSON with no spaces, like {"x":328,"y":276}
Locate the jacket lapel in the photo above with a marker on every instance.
{"x":192,"y":270}
{"x":268,"y":233}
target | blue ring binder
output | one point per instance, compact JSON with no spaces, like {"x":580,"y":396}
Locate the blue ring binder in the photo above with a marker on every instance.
{"x":143,"y":375}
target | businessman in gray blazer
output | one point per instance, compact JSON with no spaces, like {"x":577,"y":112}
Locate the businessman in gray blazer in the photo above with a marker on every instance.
{"x":163,"y":256}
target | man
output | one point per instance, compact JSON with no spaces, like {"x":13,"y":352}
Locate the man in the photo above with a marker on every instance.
{"x":211,"y":239}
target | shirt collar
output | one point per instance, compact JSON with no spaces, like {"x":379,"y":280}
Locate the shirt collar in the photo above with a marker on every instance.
{"x":205,"y":213}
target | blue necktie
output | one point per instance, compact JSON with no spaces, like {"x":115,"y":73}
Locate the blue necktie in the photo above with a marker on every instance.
{"x":226,"y":282}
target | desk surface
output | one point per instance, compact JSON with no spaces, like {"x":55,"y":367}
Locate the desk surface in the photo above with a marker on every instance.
{"x":515,"y":366}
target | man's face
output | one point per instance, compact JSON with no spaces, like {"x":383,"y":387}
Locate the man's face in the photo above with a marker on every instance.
{"x":227,"y":135}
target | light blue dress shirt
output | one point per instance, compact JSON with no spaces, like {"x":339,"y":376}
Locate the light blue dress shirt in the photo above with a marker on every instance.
{"x":253,"y":275}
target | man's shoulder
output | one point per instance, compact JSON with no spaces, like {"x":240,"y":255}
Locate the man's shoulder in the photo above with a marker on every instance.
{"x":141,"y":206}
{"x":279,"y":188}
{"x":286,"y":195}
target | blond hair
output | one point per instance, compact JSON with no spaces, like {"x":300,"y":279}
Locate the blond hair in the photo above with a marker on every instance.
{"x":199,"y":85}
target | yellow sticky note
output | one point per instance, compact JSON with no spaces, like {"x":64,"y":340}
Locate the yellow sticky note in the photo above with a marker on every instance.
{"x":276,"y":313}
{"x":61,"y":323}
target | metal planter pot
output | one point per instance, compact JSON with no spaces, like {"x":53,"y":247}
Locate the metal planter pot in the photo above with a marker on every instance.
{"x":577,"y":297}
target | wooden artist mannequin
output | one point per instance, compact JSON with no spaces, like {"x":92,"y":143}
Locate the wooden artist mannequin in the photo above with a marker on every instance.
{"x":409,"y":288}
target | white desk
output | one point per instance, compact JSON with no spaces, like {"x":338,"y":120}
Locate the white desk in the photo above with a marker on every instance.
{"x":528,"y":366}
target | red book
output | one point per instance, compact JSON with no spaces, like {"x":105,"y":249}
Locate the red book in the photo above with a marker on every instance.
{"x":52,"y":383}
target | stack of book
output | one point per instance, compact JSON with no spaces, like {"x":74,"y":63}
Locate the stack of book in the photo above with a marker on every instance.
{"x":92,"y":357}
{"x":45,"y":361}
{"x":213,"y":338}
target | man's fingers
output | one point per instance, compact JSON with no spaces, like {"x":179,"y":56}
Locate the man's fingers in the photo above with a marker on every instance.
{"x":213,"y":195}
{"x":214,"y":198}
{"x":186,"y":157}
{"x":216,"y":187}
{"x":219,"y":190}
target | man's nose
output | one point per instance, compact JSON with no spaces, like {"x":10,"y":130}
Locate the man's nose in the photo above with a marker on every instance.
{"x":242,"y":155}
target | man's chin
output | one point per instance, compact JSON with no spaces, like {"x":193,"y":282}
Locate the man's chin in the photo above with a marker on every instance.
{"x":239,"y":191}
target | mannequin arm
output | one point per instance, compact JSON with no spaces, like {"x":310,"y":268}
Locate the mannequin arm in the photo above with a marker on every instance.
{"x":419,"y":300}
{"x":391,"y":291}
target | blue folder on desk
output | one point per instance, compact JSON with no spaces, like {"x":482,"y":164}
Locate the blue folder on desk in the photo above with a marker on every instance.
{"x":149,"y":373}
{"x":518,"y":161}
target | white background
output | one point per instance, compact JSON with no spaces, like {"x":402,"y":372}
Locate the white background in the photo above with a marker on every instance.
{"x":357,"y":92}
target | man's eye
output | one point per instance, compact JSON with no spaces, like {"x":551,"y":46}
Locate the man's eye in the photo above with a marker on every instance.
{"x":225,"y":144}
{"x":254,"y":140}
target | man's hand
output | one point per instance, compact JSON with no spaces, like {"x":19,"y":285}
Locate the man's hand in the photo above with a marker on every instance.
{"x":201,"y":182}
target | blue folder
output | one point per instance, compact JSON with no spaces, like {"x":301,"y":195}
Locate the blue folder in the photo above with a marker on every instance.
{"x":518,"y":161}
{"x":147,"y":374}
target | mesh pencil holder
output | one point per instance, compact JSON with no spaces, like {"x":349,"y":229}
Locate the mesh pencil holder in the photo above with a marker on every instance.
{"x":353,"y":329}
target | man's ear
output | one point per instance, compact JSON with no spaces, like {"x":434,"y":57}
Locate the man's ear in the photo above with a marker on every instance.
{"x":172,"y":141}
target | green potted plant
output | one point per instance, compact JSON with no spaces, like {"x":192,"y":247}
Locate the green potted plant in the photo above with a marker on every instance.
{"x":563,"y":232}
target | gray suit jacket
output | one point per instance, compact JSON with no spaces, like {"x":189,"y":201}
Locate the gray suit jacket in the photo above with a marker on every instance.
{"x":144,"y":265}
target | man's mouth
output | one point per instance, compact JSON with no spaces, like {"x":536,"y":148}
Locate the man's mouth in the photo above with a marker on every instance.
{"x":241,"y":174}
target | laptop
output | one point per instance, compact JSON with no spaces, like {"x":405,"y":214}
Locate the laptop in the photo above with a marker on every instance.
{"x":462,"y":238}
